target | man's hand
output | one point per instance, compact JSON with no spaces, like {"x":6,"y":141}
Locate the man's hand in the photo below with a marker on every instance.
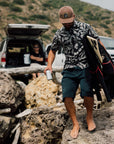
{"x":48,"y":68}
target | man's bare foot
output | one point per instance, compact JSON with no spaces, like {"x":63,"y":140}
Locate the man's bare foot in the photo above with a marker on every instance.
{"x":75,"y":131}
{"x":91,"y":124}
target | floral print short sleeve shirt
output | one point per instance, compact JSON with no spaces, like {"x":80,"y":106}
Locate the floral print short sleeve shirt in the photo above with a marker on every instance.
{"x":71,"y":42}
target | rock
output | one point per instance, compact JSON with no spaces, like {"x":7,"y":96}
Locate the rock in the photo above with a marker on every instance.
{"x":104,"y":119}
{"x":41,"y":92}
{"x":11,"y":93}
{"x":22,"y":84}
{"x":43,"y":126}
{"x":6,"y":124}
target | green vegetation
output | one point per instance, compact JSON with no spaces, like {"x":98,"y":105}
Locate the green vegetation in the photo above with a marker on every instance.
{"x":30,"y":7}
{"x":103,"y":25}
{"x":13,"y":16}
{"x":46,"y":37}
{"x":85,"y":12}
{"x":105,"y":17}
{"x":23,"y":18}
{"x":15,"y":8}
{"x":53,"y":3}
{"x":108,"y":22}
{"x":108,"y":12}
{"x":4,"y":4}
{"x":37,"y":17}
{"x":54,"y":30}
{"x":90,"y":16}
{"x":38,"y":11}
{"x":49,"y":5}
{"x":42,"y":22}
{"x":20,"y":2}
{"x":33,"y":1}
{"x":108,"y":31}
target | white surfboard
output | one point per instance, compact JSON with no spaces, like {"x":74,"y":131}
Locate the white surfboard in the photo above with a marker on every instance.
{"x":94,"y":44}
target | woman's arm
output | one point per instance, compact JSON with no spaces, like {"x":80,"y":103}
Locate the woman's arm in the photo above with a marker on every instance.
{"x":39,"y":59}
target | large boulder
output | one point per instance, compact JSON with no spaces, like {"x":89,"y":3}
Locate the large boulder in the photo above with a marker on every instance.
{"x":11,"y":93}
{"x":41,"y":92}
{"x":43,"y":126}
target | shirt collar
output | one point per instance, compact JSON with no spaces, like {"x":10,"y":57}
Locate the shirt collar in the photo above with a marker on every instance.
{"x":74,"y":26}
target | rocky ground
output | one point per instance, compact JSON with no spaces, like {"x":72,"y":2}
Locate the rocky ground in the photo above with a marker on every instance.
{"x":43,"y":118}
{"x":104,"y":134}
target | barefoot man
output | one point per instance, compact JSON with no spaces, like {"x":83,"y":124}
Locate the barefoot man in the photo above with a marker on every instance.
{"x":75,"y":71}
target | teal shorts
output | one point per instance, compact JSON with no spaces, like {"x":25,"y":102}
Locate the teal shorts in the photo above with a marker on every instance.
{"x":72,"y":77}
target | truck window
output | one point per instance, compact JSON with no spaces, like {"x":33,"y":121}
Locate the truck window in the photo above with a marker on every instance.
{"x":108,"y":43}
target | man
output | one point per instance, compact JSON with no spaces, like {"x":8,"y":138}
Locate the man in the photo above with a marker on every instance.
{"x":75,"y":71}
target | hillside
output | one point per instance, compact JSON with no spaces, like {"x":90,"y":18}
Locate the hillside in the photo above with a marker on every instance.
{"x":46,"y":12}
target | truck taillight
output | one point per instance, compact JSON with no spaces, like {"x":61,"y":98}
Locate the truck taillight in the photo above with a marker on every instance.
{"x":3,"y":59}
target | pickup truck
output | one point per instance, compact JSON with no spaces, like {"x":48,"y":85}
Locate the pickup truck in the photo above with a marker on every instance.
{"x":16,"y":47}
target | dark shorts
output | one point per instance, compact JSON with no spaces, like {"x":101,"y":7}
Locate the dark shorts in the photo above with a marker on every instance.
{"x":71,"y":80}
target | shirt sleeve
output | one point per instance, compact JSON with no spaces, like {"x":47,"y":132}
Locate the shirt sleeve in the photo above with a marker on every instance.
{"x":92,"y":33}
{"x":55,"y":43}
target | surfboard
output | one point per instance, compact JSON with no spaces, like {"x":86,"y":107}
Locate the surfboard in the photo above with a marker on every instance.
{"x":94,"y":44}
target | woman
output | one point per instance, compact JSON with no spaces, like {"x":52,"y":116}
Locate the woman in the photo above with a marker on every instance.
{"x":37,"y":57}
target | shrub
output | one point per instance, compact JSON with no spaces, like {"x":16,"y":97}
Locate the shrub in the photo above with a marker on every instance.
{"x":104,"y":25}
{"x":47,"y":5}
{"x":23,"y":18}
{"x":20,"y":2}
{"x":33,"y":1}
{"x":5,"y":4}
{"x":30,"y":7}
{"x":80,"y":9}
{"x":52,"y":3}
{"x":88,"y":12}
{"x":108,"y":31}
{"x":108,"y":22}
{"x":13,"y":16}
{"x":108,"y":12}
{"x":90,"y":16}
{"x":15,"y":8}
{"x":54,"y":30}
{"x":105,"y":17}
{"x":42,"y":22}
{"x":34,"y":17}
{"x":46,"y":37}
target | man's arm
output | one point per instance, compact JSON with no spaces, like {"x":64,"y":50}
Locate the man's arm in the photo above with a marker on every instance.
{"x":104,"y":52}
{"x":51,"y":57}
{"x":101,"y":43}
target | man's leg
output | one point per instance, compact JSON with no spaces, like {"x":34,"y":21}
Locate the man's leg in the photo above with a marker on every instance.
{"x":88,"y":103}
{"x":72,"y":112}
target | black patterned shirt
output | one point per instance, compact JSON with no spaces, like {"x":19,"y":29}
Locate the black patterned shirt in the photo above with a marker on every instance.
{"x":71,"y":42}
